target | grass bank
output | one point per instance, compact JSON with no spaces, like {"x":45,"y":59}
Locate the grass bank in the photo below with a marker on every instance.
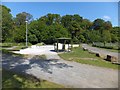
{"x":13,"y":44}
{"x":84,"y":57}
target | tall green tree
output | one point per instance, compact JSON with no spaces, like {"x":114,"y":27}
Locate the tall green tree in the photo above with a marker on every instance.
{"x":66,"y":20}
{"x":6,"y":23}
{"x":106,"y":37}
{"x":75,"y":28}
{"x":98,"y":24}
{"x":108,"y":25}
{"x":115,"y":34}
{"x":19,"y":24}
{"x":22,"y":17}
{"x":19,"y":34}
{"x":86,"y":24}
{"x":51,"y":26}
{"x":50,"y":19}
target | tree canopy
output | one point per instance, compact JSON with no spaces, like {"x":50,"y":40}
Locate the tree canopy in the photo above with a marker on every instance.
{"x":51,"y":26}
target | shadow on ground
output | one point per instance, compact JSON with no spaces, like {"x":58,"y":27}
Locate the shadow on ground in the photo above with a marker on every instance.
{"x":20,"y":64}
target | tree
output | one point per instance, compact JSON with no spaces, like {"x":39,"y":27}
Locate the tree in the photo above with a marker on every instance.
{"x":51,"y":26}
{"x":74,"y":28}
{"x":22,"y":17}
{"x":50,"y":19}
{"x":98,"y":24}
{"x":45,"y":32}
{"x":19,"y":26}
{"x":77,"y":18}
{"x":94,"y":36}
{"x":115,"y":36}
{"x":6,"y":22}
{"x":52,"y":32}
{"x":66,"y":20}
{"x":82,"y":38}
{"x":108,"y":25}
{"x":86,"y":24}
{"x":33,"y":39}
{"x":19,"y":34}
{"x":106,"y":37}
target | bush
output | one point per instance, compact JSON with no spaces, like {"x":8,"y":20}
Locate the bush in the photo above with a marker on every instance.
{"x":23,"y":44}
{"x":75,"y":40}
{"x":40,"y":44}
{"x":6,"y":44}
{"x":108,"y":45}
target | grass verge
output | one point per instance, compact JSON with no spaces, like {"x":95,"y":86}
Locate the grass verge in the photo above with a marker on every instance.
{"x":84,"y":57}
{"x":13,"y":44}
{"x":17,"y":48}
{"x":13,"y":80}
{"x":4,"y":51}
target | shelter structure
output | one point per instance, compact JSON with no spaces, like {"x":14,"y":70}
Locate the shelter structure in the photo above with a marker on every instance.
{"x":65,"y":43}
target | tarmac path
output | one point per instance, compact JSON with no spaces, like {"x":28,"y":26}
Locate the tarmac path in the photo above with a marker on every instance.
{"x":98,"y":50}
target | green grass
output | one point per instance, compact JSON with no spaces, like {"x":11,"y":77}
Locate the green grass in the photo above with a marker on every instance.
{"x":4,"y":51}
{"x":13,"y":80}
{"x":17,"y":48}
{"x":13,"y":44}
{"x":84,"y":57}
{"x":5,"y":44}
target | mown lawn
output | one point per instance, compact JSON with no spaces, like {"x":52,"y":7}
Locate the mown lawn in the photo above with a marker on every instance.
{"x":13,"y":80}
{"x":84,"y":57}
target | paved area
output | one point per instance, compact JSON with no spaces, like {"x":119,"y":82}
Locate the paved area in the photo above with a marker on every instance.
{"x":54,"y":69}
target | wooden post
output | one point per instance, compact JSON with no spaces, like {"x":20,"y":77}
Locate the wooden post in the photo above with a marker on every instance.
{"x":68,"y":47}
{"x":71,"y":45}
{"x":54,"y":46}
{"x":79,"y":43}
{"x":57,"y":45}
{"x":64,"y":44}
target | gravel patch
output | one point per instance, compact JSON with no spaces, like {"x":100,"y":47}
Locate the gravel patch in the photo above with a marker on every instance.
{"x":55,"y":69}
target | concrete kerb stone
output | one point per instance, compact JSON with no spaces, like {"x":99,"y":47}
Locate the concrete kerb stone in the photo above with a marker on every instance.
{"x":111,"y":58}
{"x":101,"y":55}
{"x":85,"y":49}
